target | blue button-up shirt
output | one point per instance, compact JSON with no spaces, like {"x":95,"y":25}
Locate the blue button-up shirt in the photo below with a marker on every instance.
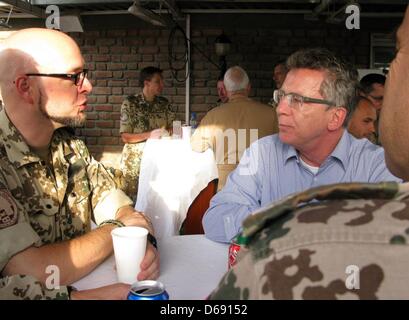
{"x":270,"y":170}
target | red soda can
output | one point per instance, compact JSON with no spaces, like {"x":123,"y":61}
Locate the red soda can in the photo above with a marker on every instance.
{"x":234,"y":248}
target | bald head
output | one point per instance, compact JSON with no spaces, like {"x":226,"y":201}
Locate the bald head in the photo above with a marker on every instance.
{"x":43,"y":81}
{"x":36,"y":50}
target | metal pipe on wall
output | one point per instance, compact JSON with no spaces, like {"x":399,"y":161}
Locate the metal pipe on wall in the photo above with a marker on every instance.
{"x":187,"y":93}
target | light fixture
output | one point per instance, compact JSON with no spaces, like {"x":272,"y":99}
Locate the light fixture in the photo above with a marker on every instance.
{"x":71,"y":23}
{"x":137,"y":10}
{"x":222,"y":45}
{"x":222,"y":48}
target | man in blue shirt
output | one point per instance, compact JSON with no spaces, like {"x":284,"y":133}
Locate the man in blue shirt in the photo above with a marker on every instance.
{"x":311,"y":149}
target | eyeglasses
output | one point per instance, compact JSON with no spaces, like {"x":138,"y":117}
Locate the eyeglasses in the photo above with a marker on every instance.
{"x":78,"y":77}
{"x":296,"y":101}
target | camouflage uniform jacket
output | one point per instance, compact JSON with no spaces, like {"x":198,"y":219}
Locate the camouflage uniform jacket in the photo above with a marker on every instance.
{"x":43,"y":203}
{"x":354,"y":244}
{"x":138,"y":116}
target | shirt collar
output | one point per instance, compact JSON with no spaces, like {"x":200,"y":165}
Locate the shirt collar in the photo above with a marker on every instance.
{"x":16,"y":148}
{"x":289,"y":152}
{"x":155,"y":99}
{"x":340,"y":152}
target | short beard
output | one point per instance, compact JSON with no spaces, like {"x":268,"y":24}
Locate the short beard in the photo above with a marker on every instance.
{"x":73,"y":122}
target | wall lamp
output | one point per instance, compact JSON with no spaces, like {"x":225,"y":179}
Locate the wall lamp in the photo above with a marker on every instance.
{"x":222,"y":48}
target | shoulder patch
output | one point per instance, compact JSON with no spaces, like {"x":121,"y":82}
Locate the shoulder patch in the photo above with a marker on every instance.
{"x":8,"y":209}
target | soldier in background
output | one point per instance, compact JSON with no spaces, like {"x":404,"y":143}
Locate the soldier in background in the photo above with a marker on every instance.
{"x":221,"y":92}
{"x":146,"y":115}
{"x":50,"y":186}
{"x":354,"y":244}
{"x":362,"y":121}
{"x":372,"y":86}
{"x":279,"y":74}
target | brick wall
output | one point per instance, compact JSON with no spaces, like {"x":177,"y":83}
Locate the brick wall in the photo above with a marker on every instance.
{"x":117,"y":47}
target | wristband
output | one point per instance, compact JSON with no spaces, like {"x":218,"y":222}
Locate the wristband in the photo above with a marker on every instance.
{"x":70,"y":289}
{"x":152,"y":240}
{"x":112,"y":221}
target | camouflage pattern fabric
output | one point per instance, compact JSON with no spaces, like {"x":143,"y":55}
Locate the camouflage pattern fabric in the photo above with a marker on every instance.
{"x":353,"y":244}
{"x":43,"y":203}
{"x":21,"y":287}
{"x":130,"y":166}
{"x":139,"y":116}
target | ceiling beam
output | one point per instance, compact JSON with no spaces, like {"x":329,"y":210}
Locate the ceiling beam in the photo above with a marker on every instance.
{"x":220,"y":11}
{"x":26,"y":7}
{"x":73,"y":2}
{"x":322,"y":4}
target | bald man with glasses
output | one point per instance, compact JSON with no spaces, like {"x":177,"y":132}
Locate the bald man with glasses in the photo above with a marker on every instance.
{"x":312,"y":148}
{"x":50,"y":186}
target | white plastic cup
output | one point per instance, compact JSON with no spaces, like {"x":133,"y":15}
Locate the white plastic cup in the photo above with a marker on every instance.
{"x":129,"y":248}
{"x":186,"y":132}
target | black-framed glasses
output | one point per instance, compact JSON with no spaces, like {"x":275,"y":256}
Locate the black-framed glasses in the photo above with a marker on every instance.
{"x":77,"y":78}
{"x":296,"y":101}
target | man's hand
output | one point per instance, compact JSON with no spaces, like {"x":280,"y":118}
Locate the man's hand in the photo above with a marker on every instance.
{"x":149,"y":264}
{"x":130,"y":217}
{"x":157,"y":133}
{"x":118,"y":291}
{"x":403,"y":34}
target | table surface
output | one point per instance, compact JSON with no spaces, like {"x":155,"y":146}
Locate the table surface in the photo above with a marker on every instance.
{"x":171,"y":177}
{"x":191,"y":267}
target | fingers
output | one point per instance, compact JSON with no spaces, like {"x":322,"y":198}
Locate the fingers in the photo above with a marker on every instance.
{"x":157,"y":133}
{"x":150,"y":264}
{"x":130,"y":217}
